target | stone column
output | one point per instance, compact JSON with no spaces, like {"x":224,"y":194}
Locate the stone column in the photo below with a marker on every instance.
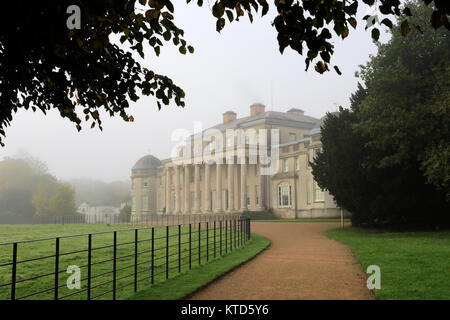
{"x":168,"y":192}
{"x":187,"y":192}
{"x":197,"y":188}
{"x":207,"y":187}
{"x":219,"y":187}
{"x":243,"y":186}
{"x":230,"y":181}
{"x":261,"y":189}
{"x":177,"y":190}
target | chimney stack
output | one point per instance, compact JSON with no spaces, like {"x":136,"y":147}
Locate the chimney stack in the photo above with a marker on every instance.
{"x":296,"y":111}
{"x":229,"y":116}
{"x":257,"y":108}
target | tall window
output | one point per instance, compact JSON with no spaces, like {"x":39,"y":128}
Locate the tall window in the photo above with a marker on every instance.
{"x":285,"y":165}
{"x":248,"y":195}
{"x":307,"y":160}
{"x":256,"y":195}
{"x":308,"y":192}
{"x":145,"y":203}
{"x":284,"y":196}
{"x":297,"y":163}
{"x":318,"y":193}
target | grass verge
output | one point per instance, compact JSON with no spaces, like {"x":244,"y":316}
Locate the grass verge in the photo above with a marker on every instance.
{"x":185,"y":284}
{"x":413,"y":265}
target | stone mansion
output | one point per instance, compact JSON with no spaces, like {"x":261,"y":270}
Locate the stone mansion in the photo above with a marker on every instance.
{"x":233,"y":183}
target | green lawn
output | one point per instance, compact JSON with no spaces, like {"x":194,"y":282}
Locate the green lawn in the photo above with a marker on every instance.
{"x":102,"y":255}
{"x":414,"y":265}
{"x":187,"y":283}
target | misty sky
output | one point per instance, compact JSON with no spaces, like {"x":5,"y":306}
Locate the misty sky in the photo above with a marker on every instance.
{"x":228,"y":71}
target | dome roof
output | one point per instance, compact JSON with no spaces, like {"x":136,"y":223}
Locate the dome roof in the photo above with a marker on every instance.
{"x":147,"y":162}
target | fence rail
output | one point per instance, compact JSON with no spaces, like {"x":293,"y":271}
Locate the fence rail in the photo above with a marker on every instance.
{"x":104,"y":263}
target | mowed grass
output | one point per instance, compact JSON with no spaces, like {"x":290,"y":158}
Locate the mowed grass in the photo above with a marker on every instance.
{"x":413,"y":265}
{"x":42,"y":271}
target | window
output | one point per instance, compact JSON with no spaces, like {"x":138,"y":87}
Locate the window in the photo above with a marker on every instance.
{"x":256,"y":169}
{"x":285,"y":165}
{"x":307,"y":160}
{"x":247,"y":139}
{"x":145,"y":203}
{"x":308,"y":192}
{"x":229,"y":141}
{"x":318,"y":193}
{"x":297,"y":163}
{"x":145,"y":183}
{"x":248,"y":195}
{"x":256,"y":195}
{"x":201,"y":174}
{"x":284,"y":196}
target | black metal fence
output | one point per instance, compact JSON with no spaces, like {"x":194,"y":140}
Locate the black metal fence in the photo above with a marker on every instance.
{"x":102,"y":264}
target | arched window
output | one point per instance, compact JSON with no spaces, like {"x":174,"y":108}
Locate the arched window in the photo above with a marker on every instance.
{"x":284,"y":195}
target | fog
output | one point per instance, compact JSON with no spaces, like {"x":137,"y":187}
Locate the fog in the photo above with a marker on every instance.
{"x":228,"y":71}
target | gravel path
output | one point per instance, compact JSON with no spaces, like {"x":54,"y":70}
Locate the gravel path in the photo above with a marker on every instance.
{"x":301,"y":263}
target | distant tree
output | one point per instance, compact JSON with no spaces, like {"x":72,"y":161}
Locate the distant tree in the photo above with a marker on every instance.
{"x":46,"y":65}
{"x":41,"y":198}
{"x":99,"y":193}
{"x":17,"y":184}
{"x":125,"y":213}
{"x":62,"y":203}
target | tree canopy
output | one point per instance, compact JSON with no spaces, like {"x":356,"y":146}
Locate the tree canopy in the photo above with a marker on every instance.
{"x":386,"y":159}
{"x":46,"y":65}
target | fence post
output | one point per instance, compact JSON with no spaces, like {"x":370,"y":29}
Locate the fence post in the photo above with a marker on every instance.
{"x":56,"y":268}
{"x":13,"y":273}
{"x":249,"y":230}
{"x":167,"y":252}
{"x":207,"y":241}
{"x":135,"y":258}
{"x":214,"y":239}
{"x":226,"y":236}
{"x":179,"y":248}
{"x":199,"y":246}
{"x":231,"y":234}
{"x":190,"y":246}
{"x":153,"y":255}
{"x":114,"y":264}
{"x":89,"y":266}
